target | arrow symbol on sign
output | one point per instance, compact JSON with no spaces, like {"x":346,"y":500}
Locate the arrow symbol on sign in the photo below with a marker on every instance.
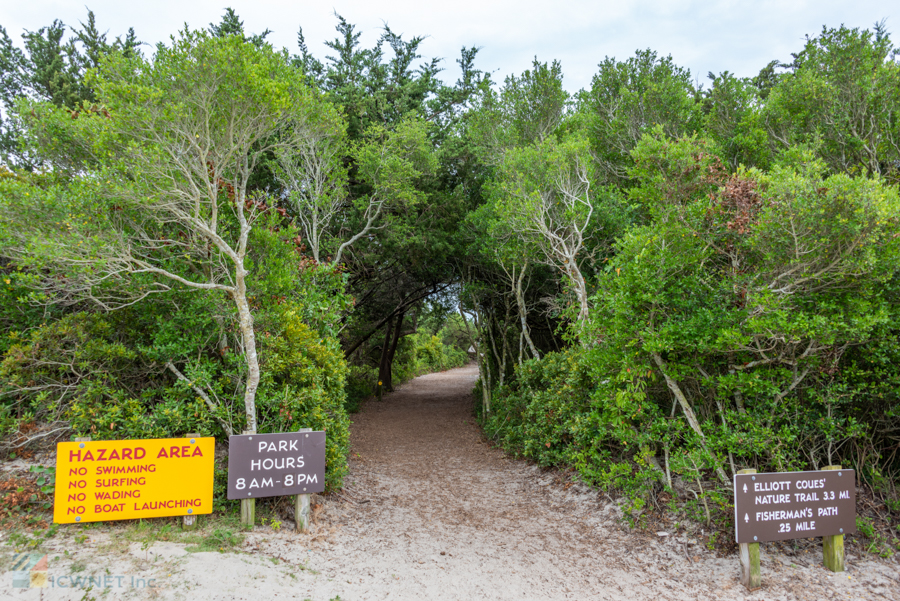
{"x":745,"y":487}
{"x":746,"y":518}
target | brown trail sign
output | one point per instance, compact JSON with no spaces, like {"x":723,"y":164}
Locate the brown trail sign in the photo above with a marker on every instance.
{"x":785,"y":505}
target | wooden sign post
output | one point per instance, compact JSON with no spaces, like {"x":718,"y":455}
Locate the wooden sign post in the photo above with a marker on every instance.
{"x":833,"y":546}
{"x":288,"y":464}
{"x":751,"y":575}
{"x":301,"y":504}
{"x":248,"y":505}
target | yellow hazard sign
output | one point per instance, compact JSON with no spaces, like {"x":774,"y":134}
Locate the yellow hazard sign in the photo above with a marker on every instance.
{"x":130,"y":479}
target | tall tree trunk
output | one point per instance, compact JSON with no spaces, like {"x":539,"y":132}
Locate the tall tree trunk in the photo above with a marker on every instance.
{"x":501,"y":360}
{"x":249,"y":340}
{"x":483,"y":366}
{"x":686,"y":409}
{"x":389,"y":372}
{"x":507,"y":349}
{"x":385,"y":352}
{"x":521,"y":346}
{"x":523,"y":314}
{"x":580,"y":286}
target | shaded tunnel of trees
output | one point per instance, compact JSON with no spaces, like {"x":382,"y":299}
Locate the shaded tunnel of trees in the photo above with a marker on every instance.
{"x":663,"y":281}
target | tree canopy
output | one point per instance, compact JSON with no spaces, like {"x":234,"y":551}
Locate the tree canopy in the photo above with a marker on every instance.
{"x":662,"y":281}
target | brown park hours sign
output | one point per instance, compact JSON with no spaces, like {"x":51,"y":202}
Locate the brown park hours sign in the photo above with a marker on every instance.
{"x":785,"y":505}
{"x":271,"y":465}
{"x":129,"y":479}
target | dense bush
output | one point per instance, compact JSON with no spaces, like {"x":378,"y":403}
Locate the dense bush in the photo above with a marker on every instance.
{"x":748,"y":323}
{"x":108,"y":375}
{"x":424,"y":352}
{"x":558,"y":413}
{"x":85,"y":370}
{"x":302,"y":386}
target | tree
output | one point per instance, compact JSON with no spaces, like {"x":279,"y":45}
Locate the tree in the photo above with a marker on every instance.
{"x":734,"y":121}
{"x":164,"y":200}
{"x":398,"y":217}
{"x":314,"y":178}
{"x":388,"y":161}
{"x":628,"y":99}
{"x":52,"y":70}
{"x":11,"y":88}
{"x":525,"y":111}
{"x":544,"y":194}
{"x":231,"y":24}
{"x":370,"y":89}
{"x":744,"y":291}
{"x":840,"y":95}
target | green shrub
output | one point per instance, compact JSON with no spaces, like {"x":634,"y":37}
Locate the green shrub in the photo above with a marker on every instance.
{"x":782,"y":341}
{"x":422,"y":353}
{"x":302,"y":386}
{"x":101,"y":375}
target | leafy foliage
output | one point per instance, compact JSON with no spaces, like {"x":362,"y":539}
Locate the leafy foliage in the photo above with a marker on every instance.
{"x":52,"y":70}
{"x":840,"y":95}
{"x":629,"y":98}
{"x":662,"y":283}
{"x":303,"y":386}
{"x":759,"y":290}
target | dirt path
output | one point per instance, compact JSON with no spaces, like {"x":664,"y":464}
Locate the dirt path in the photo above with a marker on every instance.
{"x":438,"y":514}
{"x":431,"y":512}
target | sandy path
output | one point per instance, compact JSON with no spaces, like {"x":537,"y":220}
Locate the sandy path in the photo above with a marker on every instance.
{"x":447,"y":517}
{"x":433,"y":513}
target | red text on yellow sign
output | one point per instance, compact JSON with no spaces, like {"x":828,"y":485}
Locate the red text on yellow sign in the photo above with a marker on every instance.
{"x":130,"y":479}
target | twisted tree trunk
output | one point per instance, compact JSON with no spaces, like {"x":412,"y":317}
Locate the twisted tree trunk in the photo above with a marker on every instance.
{"x":687,"y":410}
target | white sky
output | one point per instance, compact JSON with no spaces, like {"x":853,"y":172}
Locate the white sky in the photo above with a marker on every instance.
{"x":710,"y":35}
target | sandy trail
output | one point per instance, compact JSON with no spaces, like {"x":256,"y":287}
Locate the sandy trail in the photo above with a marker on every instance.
{"x":432,"y":512}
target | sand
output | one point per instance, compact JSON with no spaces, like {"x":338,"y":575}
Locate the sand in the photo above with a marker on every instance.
{"x":431,"y":511}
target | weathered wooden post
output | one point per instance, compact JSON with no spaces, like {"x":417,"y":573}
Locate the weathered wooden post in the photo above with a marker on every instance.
{"x":189,"y":522}
{"x":248,"y":506}
{"x":751,"y":576}
{"x":380,"y":390}
{"x":301,"y":502}
{"x":833,"y":546}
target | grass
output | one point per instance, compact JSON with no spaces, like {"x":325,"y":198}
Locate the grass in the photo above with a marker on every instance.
{"x":221,"y":532}
{"x":220,"y":539}
{"x":218,"y":533}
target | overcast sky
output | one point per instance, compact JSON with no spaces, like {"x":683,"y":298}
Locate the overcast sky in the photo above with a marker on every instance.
{"x":702,"y":35}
